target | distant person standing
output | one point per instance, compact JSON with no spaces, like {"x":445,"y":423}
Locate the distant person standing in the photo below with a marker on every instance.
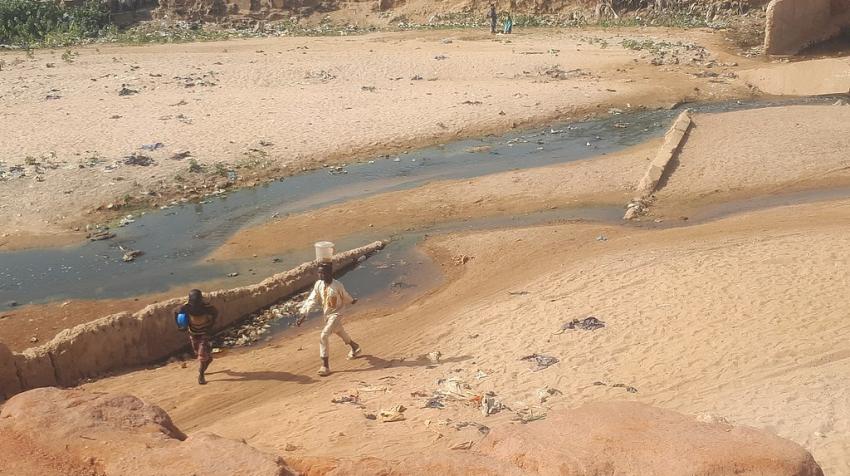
{"x":199,"y":318}
{"x":508,"y":25}
{"x":333,"y":297}
{"x":494,"y":17}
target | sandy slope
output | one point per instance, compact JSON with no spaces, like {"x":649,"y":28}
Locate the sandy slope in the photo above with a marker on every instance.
{"x":759,"y":151}
{"x":743,"y":318}
{"x":268,"y":107}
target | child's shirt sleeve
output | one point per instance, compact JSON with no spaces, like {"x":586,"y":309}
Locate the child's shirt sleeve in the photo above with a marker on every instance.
{"x":311,"y":300}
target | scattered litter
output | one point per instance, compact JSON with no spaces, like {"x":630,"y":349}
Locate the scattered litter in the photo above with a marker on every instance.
{"x":461,"y":260}
{"x":393,"y":414}
{"x":472,"y":103}
{"x":490,"y":406}
{"x":99,"y":235}
{"x":352,"y":397}
{"x":628,"y":388}
{"x":456,"y":388}
{"x":588,"y":324}
{"x":517,"y":293}
{"x":138,"y":159}
{"x":131,"y":255}
{"x":126,"y":221}
{"x":152,"y":147}
{"x":601,"y":238}
{"x":479,"y":375}
{"x":542,"y":361}
{"x":434,"y":357}
{"x":416,"y":77}
{"x":546,"y":392}
{"x":232,"y":275}
{"x":528,"y":416}
{"x":441,"y":57}
{"x":462,"y":446}
{"x":180,"y":155}
{"x":125,"y":91}
{"x":435,"y":402}
{"x":370,"y":416}
{"x":371,"y":89}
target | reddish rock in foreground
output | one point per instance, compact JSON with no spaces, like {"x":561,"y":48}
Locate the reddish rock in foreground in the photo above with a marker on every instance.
{"x":70,"y":432}
{"x":119,"y":435}
{"x":632,"y":438}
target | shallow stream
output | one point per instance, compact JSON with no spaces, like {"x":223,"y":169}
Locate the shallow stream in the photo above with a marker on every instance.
{"x":175,"y":240}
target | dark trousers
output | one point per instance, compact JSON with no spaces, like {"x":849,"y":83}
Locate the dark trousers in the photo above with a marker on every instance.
{"x":202,"y":347}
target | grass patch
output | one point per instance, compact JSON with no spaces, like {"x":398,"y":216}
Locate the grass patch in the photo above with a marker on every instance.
{"x":28,"y":23}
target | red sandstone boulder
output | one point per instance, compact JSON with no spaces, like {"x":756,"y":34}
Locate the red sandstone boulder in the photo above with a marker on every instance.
{"x":631,"y":438}
{"x":122,"y":435}
{"x":9,"y":382}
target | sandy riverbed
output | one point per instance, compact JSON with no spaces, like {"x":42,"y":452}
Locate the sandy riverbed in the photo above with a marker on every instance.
{"x":742,"y":317}
{"x":270,"y":107}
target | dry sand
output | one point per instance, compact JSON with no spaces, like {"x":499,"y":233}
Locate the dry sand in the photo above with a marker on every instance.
{"x":742,"y":318}
{"x":758,"y":152}
{"x":269,"y":107}
{"x":802,"y":78}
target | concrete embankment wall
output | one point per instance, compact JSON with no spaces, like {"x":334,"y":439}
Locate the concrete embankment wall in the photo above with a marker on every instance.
{"x":125,"y":340}
{"x":793,"y":25}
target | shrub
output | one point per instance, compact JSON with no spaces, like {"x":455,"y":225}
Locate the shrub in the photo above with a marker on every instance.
{"x":28,"y":22}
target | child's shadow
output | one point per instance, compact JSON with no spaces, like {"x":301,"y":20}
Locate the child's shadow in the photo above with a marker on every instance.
{"x":265,"y":375}
{"x":376,"y":363}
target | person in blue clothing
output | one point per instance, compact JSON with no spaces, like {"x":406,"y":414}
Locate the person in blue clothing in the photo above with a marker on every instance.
{"x":508,"y":25}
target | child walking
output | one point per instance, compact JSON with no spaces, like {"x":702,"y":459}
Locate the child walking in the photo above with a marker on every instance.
{"x":333,"y":297}
{"x":201,"y":321}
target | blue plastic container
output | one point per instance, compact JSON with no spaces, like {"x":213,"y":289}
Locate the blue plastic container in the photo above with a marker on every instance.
{"x":182,"y":321}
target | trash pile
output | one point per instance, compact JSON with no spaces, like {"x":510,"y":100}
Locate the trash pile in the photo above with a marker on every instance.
{"x":456,"y":390}
{"x":257,"y":325}
{"x":667,"y":53}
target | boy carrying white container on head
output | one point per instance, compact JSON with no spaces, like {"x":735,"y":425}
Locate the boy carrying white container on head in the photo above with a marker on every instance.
{"x":333,"y":297}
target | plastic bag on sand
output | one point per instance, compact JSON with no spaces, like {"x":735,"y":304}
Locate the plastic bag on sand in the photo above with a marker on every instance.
{"x":395,"y":413}
{"x":542,"y":361}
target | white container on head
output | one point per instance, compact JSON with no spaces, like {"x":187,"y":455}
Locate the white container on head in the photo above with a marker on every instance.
{"x":324,"y":251}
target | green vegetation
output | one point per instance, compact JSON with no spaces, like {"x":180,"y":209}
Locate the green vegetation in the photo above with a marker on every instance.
{"x":195,"y":167}
{"x":43,"y":23}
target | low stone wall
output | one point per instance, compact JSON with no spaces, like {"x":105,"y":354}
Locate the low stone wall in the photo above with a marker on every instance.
{"x":793,"y":25}
{"x":658,"y":167}
{"x":125,"y":340}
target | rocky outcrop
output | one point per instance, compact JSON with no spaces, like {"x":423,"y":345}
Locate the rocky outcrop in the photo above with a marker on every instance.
{"x":125,"y":340}
{"x":633,"y":438}
{"x":122,"y":435}
{"x":601,"y":439}
{"x":793,"y":25}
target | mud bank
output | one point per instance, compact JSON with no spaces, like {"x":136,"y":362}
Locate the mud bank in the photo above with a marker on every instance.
{"x":124,"y":340}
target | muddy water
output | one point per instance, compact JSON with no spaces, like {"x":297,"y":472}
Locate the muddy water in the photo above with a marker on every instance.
{"x":175,"y":240}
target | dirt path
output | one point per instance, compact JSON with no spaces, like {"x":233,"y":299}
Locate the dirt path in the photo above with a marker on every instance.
{"x":253,"y":109}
